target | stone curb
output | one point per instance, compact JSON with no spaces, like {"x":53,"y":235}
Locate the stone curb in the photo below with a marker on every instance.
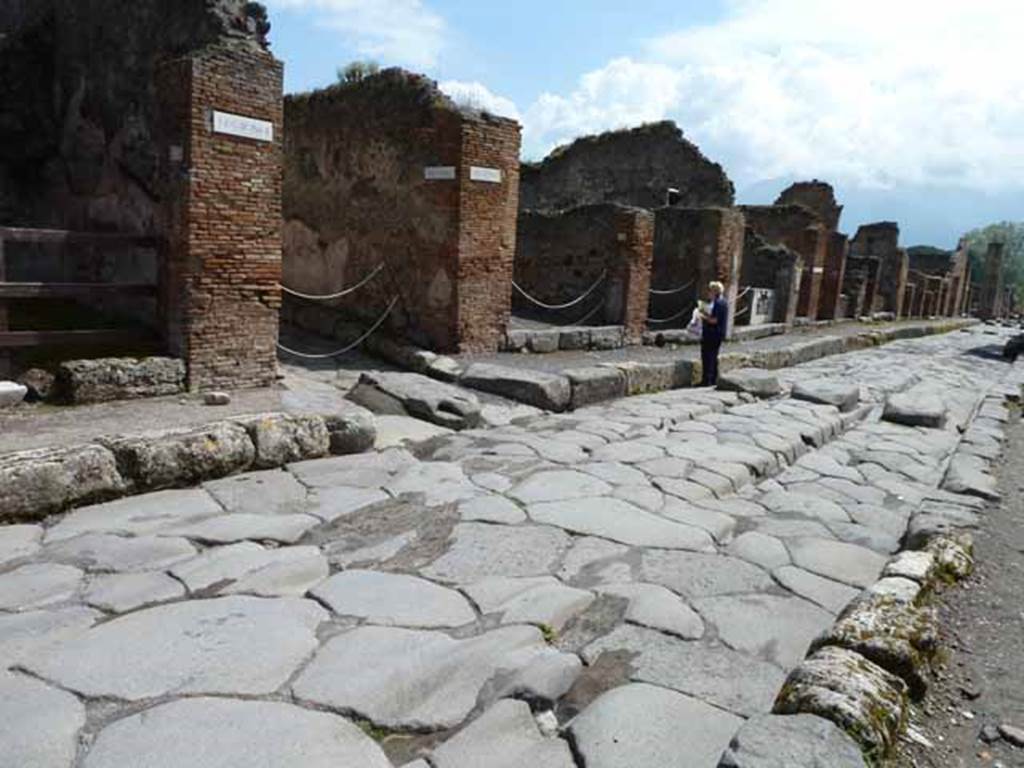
{"x":862,"y":673}
{"x":36,"y":483}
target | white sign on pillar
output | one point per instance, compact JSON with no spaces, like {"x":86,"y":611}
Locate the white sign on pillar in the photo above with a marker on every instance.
{"x":243,"y":127}
{"x":488,"y":175}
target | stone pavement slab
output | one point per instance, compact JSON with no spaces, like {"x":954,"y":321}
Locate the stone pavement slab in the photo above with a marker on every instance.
{"x":39,"y":724}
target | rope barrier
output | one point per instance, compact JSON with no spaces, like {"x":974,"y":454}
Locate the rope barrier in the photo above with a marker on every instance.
{"x":568,"y":304}
{"x":589,"y":315}
{"x":743,"y":311}
{"x":743,"y":293}
{"x":351,"y":346}
{"x":671,"y":291}
{"x":339,"y":294}
{"x":670,"y":319}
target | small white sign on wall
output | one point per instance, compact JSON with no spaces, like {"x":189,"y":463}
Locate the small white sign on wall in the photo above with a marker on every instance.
{"x":818,"y":270}
{"x":488,"y":175}
{"x":439,"y":173}
{"x":244,"y":127}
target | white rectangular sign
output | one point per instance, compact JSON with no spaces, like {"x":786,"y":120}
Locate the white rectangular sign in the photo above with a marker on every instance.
{"x":439,"y":173}
{"x":245,"y":127}
{"x":818,"y":270}
{"x":490,"y":175}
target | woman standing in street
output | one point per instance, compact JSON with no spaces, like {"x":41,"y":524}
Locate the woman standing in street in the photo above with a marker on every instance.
{"x":713,"y":329}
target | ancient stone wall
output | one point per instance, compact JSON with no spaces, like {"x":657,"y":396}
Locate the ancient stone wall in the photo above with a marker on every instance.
{"x":832,"y":279}
{"x":860,"y":284}
{"x":991,"y":293}
{"x":881,"y":240}
{"x":816,"y":195}
{"x":562,"y":256}
{"x":634,"y":167}
{"x":219,"y":287}
{"x":775,"y":267}
{"x":387,"y":173}
{"x":801,"y":230}
{"x":692,"y":247}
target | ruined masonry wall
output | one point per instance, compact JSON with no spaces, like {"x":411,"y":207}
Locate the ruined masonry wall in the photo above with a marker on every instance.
{"x":220,"y":287}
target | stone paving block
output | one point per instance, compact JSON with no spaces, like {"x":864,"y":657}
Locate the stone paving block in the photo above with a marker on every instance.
{"x":413,"y":679}
{"x":241,"y":526}
{"x":642,"y":726}
{"x":124,"y":592}
{"x":595,"y":384}
{"x":844,"y":396}
{"x":620,"y":521}
{"x":36,"y":585}
{"x":540,"y":600}
{"x":39,"y":725}
{"x":785,"y":741}
{"x":479,"y":550}
{"x":734,"y":681}
{"x":437,"y":482}
{"x":366,"y":470}
{"x":719,"y":525}
{"x":249,"y":568}
{"x":270,"y":492}
{"x":223,"y":733}
{"x":393,"y":599}
{"x":491,"y":509}
{"x":759,"y":549}
{"x":846,"y":563}
{"x":35,"y":633}
{"x":119,"y":378}
{"x":332,"y":503}
{"x":18,"y":541}
{"x":830,"y":595}
{"x":918,"y":407}
{"x":754,"y":381}
{"x":654,"y":606}
{"x":559,"y":484}
{"x":109,"y":552}
{"x":505,"y":736}
{"x":417,"y":396}
{"x":697,"y":575}
{"x":230,"y":646}
{"x":543,"y":390}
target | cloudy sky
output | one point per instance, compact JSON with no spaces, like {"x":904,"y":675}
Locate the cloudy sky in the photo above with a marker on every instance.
{"x":913,"y":109}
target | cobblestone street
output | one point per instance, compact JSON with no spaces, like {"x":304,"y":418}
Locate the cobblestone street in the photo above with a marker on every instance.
{"x":615,"y":587}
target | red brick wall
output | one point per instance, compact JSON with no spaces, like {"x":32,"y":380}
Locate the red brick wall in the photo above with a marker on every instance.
{"x":220,"y":280}
{"x":832,"y":279}
{"x":634,"y":234}
{"x":487,"y":233}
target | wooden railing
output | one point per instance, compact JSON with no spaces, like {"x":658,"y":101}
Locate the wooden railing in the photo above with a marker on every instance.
{"x":68,"y":290}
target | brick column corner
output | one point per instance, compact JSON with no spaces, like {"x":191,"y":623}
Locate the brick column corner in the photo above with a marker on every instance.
{"x":634,"y":234}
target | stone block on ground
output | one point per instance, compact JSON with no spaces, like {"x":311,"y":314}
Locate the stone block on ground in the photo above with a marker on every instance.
{"x":845,"y":397}
{"x":39,"y":724}
{"x":860,"y":697}
{"x":36,"y":483}
{"x":544,"y":390}
{"x":282,"y":438}
{"x":595,"y":384}
{"x":11,"y":393}
{"x":966,"y":474}
{"x":182,"y":457}
{"x":352,"y":430}
{"x":754,"y":381}
{"x":787,"y":741}
{"x":119,"y":378}
{"x":917,"y":407}
{"x":40,"y":384}
{"x":418,"y":396}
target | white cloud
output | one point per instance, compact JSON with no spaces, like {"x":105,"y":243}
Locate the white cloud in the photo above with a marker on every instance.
{"x":404,"y":32}
{"x":873,"y":93}
{"x":480,"y":97}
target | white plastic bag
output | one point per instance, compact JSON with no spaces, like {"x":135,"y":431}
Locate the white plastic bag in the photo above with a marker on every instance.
{"x":696,"y":326}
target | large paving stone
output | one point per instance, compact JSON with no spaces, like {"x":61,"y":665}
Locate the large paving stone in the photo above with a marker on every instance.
{"x":413,"y":679}
{"x":123,"y":592}
{"x":222,"y":733}
{"x":718,"y":675}
{"x":805,"y":505}
{"x":643,"y":726}
{"x":479,"y":550}
{"x":282,"y":438}
{"x":109,"y":552}
{"x":137,"y":515}
{"x":559,"y":484}
{"x":844,"y":396}
{"x":505,"y":736}
{"x":437,"y":482}
{"x":759,"y":549}
{"x":776,"y":629}
{"x":628,"y":452}
{"x":917,"y":407}
{"x":262,"y":493}
{"x":543,"y":390}
{"x":35,"y":585}
{"x":18,"y":541}
{"x":847,"y":563}
{"x":754,"y":381}
{"x":418,"y":396}
{"x":698,"y":575}
{"x":541,"y":600}
{"x":38,"y":724}
{"x":242,"y":526}
{"x":230,"y":646}
{"x":249,"y":568}
{"x":719,"y":525}
{"x":830,"y":595}
{"x":36,"y":483}
{"x":786,"y":741}
{"x":491,"y":509}
{"x":341,"y":501}
{"x":182,"y":457}
{"x":966,"y":475}
{"x":595,"y":384}
{"x":35,"y":633}
{"x":393,"y":599}
{"x":654,"y":606}
{"x":620,"y":521}
{"x":365,"y":470}
{"x":119,"y":378}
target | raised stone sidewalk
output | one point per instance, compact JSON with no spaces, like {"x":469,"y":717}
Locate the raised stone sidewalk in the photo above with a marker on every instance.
{"x":615,"y":587}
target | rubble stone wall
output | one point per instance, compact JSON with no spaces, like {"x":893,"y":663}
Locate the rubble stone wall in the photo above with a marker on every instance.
{"x":776,"y":267}
{"x":816,"y":195}
{"x":634,"y":167}
{"x":881,"y":240}
{"x":380,"y":173}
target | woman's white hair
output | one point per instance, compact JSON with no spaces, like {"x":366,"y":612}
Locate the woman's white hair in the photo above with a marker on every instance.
{"x":716,"y":286}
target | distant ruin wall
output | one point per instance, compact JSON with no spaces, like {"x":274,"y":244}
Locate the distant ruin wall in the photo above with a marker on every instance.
{"x":775,"y":267}
{"x":881,"y":240}
{"x":560,"y":256}
{"x":633,"y":167}
{"x":816,"y":195}
{"x":389,"y":174}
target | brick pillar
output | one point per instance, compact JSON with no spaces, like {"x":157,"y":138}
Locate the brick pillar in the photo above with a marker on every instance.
{"x":991,"y":298}
{"x":832,"y":279}
{"x":814,"y":246}
{"x":219,"y":282}
{"x":488,"y":205}
{"x":634,"y":235}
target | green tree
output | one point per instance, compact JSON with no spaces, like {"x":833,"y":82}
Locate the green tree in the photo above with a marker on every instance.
{"x":1011,"y":234}
{"x":357,"y":70}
